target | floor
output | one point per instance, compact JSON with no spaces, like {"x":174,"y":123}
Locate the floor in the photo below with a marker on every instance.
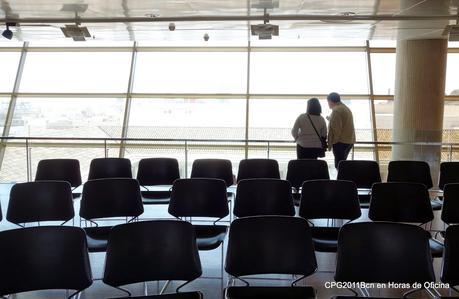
{"x":210,"y":287}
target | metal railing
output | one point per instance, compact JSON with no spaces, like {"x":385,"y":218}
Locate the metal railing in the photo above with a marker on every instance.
{"x":268,"y":146}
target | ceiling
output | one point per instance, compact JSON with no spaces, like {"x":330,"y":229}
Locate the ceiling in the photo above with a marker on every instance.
{"x":227,"y":21}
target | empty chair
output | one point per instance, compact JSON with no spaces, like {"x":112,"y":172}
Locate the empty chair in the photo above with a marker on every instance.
{"x":450,"y":211}
{"x":363,"y":173}
{"x":301,"y":170}
{"x":157,"y":171}
{"x":410,"y":171}
{"x":382,"y":252}
{"x":258,"y":168}
{"x":42,"y":258}
{"x":256,"y":197}
{"x":102,"y":168}
{"x":59,"y":170}
{"x":449,"y":173}
{"x":270,"y":245}
{"x":403,"y":202}
{"x":153,"y":250}
{"x":450,"y":263}
{"x":40,"y":201}
{"x":107,"y":198}
{"x":202,"y":198}
{"x":213,"y":169}
{"x":327,"y":199}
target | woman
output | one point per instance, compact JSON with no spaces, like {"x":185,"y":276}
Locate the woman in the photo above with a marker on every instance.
{"x":310,"y":131}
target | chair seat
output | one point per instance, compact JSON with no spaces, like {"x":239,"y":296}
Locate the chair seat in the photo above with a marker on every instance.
{"x":436,"y":247}
{"x":364,"y":201}
{"x":76,"y":195}
{"x":270,"y":292}
{"x":325,"y":238}
{"x":209,"y":237}
{"x":97,"y":238}
{"x":436,"y":204}
{"x":185,"y":295}
{"x":296,"y":198}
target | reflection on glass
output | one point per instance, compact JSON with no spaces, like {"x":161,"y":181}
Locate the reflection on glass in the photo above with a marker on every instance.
{"x":76,"y":72}
{"x":68,"y":117}
{"x":308,"y":72}
{"x":188,"y":118}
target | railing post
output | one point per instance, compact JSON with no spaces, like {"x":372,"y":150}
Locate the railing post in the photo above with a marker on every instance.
{"x":28,"y":164}
{"x":450,"y":153}
{"x":186,"y":159}
{"x":269,"y":148}
{"x":105,"y":148}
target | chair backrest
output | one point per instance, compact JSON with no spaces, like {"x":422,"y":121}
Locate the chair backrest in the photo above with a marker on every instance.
{"x":400,"y":202}
{"x":410,"y":171}
{"x":450,"y":263}
{"x":257,"y":169}
{"x":158,"y":171}
{"x":301,"y":170}
{"x":363,"y":173}
{"x":111,"y":198}
{"x":383,"y":252}
{"x":256,"y":197}
{"x":449,"y":173}
{"x":199,"y":198}
{"x":103,"y":168}
{"x":329,"y":199}
{"x":41,"y":258}
{"x":151,"y":250}
{"x":270,"y":245}
{"x":40,"y":201}
{"x":59,"y":170}
{"x":213,"y":169}
{"x":450,"y":209}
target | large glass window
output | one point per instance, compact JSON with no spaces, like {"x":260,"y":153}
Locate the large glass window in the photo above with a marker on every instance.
{"x":308,"y":72}
{"x":8,"y":69}
{"x":68,"y":117}
{"x":451,"y":122}
{"x":383,"y":71}
{"x":452,"y":74}
{"x":67,"y":72}
{"x":187,"y":118}
{"x":191,"y":72}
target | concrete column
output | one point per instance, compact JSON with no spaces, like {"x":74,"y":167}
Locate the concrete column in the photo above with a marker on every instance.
{"x":419,"y":96}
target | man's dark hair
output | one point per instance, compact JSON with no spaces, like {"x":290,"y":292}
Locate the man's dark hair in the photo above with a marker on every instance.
{"x":334,"y":97}
{"x":314,"y":107}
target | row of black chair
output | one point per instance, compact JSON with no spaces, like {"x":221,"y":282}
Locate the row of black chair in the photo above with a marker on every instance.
{"x":377,"y":252}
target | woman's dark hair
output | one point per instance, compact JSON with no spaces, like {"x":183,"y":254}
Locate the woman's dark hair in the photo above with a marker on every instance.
{"x":314,"y":107}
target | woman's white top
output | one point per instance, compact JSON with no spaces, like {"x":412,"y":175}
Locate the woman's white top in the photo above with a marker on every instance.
{"x":304,"y":133}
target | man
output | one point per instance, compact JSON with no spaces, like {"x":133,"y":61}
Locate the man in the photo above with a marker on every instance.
{"x":341,"y":133}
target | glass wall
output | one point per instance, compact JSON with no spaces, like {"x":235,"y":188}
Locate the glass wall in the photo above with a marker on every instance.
{"x":220,"y":97}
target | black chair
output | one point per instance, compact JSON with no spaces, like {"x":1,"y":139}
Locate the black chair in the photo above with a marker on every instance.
{"x":403,"y":202}
{"x":301,"y":170}
{"x":270,"y":245}
{"x":153,"y":250}
{"x":450,"y":263}
{"x":103,"y":168}
{"x":213,"y":169}
{"x":328,"y":199}
{"x":450,"y":211}
{"x":108,"y":198}
{"x":256,"y":197}
{"x":383,"y":252}
{"x":449,"y":173}
{"x":60,"y":170}
{"x":258,"y":169}
{"x":202,"y":198}
{"x":157,"y":171}
{"x":40,"y":201}
{"x":43,"y":258}
{"x":412,"y":172}
{"x":363,"y":173}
